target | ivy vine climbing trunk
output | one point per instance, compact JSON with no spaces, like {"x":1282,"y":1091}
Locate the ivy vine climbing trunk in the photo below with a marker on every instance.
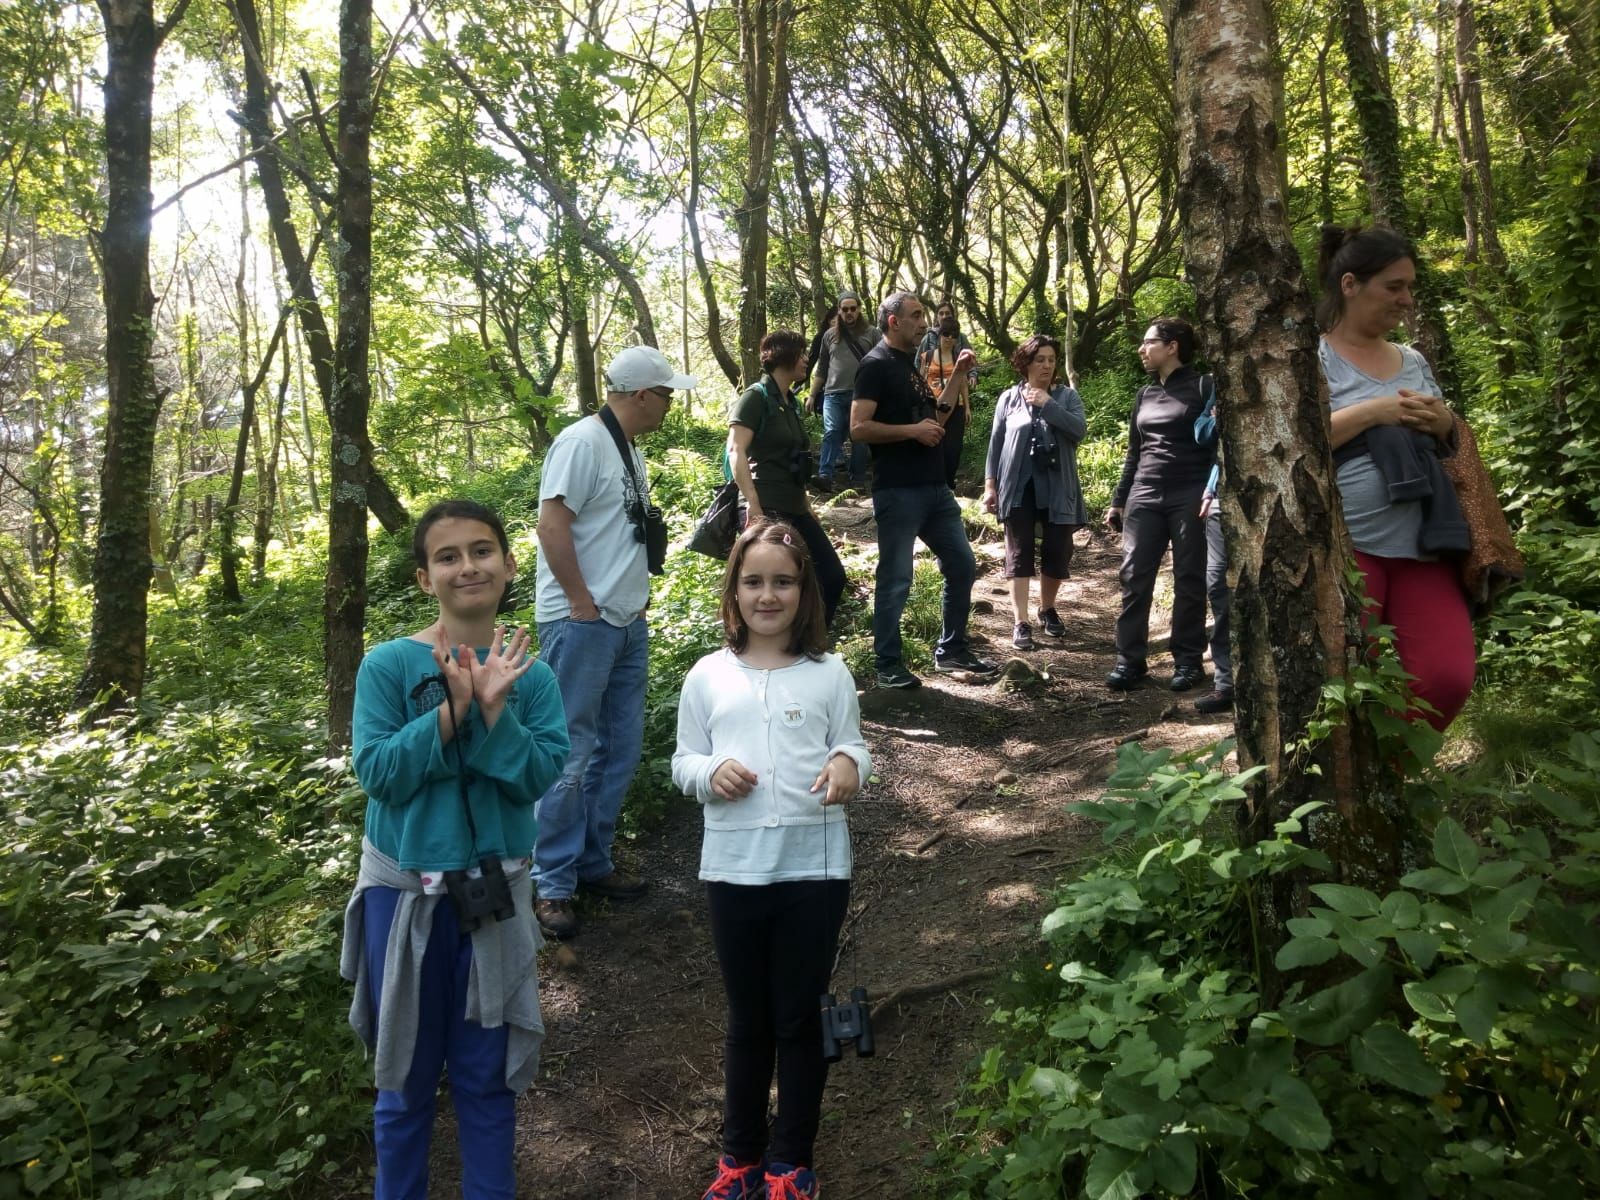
{"x":1287,"y":546}
{"x":114,"y":666}
{"x":1379,"y":122}
{"x":344,"y":598}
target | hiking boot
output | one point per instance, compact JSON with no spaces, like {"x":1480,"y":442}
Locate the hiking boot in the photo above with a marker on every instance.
{"x":1187,"y":678}
{"x":1220,"y":700}
{"x":822,"y":485}
{"x":897,"y":676}
{"x":791,"y":1183}
{"x":737,"y":1181}
{"x":1125,"y":676}
{"x":556,"y":918}
{"x":616,"y":886}
{"x":1051,"y":620}
{"x":962,"y":660}
{"x":1022,"y":636}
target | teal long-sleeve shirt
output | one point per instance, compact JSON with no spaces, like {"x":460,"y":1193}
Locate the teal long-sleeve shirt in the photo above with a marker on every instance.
{"x":414,"y":811}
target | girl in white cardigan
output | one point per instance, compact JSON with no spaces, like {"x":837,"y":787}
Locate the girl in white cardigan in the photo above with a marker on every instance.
{"x":769,"y":741}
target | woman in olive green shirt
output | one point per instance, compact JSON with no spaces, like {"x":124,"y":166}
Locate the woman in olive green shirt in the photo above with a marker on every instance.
{"x":769,"y":454}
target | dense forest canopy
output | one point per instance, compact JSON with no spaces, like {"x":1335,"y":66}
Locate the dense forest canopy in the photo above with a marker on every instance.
{"x":274,"y":276}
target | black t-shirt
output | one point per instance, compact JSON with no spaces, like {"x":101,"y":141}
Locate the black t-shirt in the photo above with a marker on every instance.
{"x":889,"y":377}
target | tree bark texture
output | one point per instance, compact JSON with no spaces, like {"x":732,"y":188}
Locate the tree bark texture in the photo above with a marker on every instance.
{"x":344,"y":599}
{"x":114,"y":667}
{"x":763,"y":61}
{"x":381,"y":499}
{"x":1380,"y":153}
{"x":1287,"y":548}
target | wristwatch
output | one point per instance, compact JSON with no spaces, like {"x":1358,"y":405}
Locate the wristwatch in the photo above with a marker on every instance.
{"x":945,"y":407}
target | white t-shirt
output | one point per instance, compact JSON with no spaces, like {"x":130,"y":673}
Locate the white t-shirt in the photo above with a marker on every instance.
{"x":584,"y":469}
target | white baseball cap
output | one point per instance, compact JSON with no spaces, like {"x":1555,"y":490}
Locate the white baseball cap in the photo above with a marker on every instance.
{"x":640,"y":367}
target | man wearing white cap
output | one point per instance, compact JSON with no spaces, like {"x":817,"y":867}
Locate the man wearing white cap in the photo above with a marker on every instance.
{"x":593,"y":585}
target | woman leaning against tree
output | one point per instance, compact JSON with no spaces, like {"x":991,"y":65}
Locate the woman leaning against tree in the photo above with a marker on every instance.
{"x":1390,"y":430}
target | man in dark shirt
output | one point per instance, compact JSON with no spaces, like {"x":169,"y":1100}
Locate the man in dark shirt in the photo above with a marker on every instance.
{"x":1157,"y":503}
{"x":896,"y":414}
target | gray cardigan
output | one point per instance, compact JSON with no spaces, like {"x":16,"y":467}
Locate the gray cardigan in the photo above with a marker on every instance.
{"x":1010,"y":461}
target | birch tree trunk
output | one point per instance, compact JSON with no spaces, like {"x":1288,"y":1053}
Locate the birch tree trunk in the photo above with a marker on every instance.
{"x":114,"y":667}
{"x":1291,"y":618}
{"x":344,"y":599}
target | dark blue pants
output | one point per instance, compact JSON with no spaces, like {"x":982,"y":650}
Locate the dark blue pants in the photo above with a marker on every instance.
{"x":485,"y":1108}
{"x":904,"y":514}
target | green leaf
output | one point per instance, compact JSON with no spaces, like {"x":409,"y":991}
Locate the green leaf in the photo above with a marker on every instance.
{"x":1174,"y":1159}
{"x":1295,"y":1118}
{"x":1305,"y":952}
{"x":1349,"y":901}
{"x":1476,"y":1010}
{"x":1110,"y":1174}
{"x":1435,"y":880}
{"x":1385,"y":1052}
{"x":1047,"y":1081}
{"x":1496,"y":874}
{"x":1132,"y":1132}
{"x":1401,"y":909}
{"x":1330,"y":1016}
{"x":1420,"y":946}
{"x":1453,"y":849}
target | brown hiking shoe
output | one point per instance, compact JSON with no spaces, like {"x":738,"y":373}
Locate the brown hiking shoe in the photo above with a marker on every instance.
{"x":556,"y":918}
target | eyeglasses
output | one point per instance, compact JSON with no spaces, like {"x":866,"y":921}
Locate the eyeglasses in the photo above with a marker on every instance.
{"x":663,"y":393}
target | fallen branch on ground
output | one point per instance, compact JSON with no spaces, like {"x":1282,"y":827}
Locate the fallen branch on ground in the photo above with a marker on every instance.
{"x":916,"y":991}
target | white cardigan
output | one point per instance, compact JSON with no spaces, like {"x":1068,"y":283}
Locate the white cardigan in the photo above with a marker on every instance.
{"x":783,"y":725}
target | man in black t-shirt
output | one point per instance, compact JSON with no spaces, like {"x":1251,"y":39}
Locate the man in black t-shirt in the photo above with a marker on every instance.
{"x":896,"y":413}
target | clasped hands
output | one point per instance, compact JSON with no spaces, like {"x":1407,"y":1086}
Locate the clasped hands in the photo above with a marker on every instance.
{"x":1424,"y":413}
{"x":732,"y":780}
{"x":489,"y":681}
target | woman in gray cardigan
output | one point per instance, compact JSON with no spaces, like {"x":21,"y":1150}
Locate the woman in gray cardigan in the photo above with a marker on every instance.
{"x":1031,"y":480}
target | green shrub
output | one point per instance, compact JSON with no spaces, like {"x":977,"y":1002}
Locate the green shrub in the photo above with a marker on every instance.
{"x":1440,"y":1040}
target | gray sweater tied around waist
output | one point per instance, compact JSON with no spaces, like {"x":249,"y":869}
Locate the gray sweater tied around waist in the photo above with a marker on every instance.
{"x":502,"y":989}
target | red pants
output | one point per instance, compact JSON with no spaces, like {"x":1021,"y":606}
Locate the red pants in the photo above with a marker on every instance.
{"x":1423,"y":603}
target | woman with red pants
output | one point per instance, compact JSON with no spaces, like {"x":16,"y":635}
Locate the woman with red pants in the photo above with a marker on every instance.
{"x":1390,"y":428}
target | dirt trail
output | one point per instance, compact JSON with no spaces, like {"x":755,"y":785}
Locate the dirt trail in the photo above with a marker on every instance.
{"x":953,"y":872}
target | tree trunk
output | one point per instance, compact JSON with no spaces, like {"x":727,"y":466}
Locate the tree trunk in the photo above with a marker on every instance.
{"x":1380,"y":152}
{"x":691,"y":208}
{"x":385,"y":505}
{"x":114,"y":667}
{"x":1286,"y":541}
{"x":763,"y":47}
{"x":344,"y":600}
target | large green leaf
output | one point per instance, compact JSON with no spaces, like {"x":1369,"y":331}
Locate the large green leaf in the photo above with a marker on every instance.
{"x":1295,"y":1118}
{"x":1453,"y":849}
{"x":1111,"y":1174}
{"x":1330,"y":1016}
{"x":1350,"y":901}
{"x":1174,"y":1159}
{"x":1385,"y":1052}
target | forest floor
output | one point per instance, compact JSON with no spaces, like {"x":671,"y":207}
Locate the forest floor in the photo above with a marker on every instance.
{"x":954,"y":869}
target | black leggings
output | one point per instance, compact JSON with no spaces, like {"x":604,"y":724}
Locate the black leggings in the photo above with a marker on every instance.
{"x":830,"y":571}
{"x":775,"y":943}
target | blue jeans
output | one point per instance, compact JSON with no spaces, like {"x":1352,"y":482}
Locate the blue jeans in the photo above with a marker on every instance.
{"x":835,"y":427}
{"x":1218,"y":594}
{"x":904,"y":514}
{"x":402,"y":1121}
{"x":601,"y":672}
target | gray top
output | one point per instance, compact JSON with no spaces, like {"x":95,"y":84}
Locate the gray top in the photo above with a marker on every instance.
{"x":1010,"y":462}
{"x":502,"y":984}
{"x":835,"y":363}
{"x":1378,"y":526}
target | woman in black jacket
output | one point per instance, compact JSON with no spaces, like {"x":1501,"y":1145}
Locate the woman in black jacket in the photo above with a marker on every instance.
{"x":1157,"y":504}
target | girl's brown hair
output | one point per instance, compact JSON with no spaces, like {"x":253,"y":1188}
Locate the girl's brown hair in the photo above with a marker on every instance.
{"x":809,"y":633}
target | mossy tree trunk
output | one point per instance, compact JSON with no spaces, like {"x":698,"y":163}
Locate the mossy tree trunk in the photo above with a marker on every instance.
{"x":1379,"y":122}
{"x":1292,"y":618}
{"x":114,"y":666}
{"x":764,"y":67}
{"x":344,"y":599}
